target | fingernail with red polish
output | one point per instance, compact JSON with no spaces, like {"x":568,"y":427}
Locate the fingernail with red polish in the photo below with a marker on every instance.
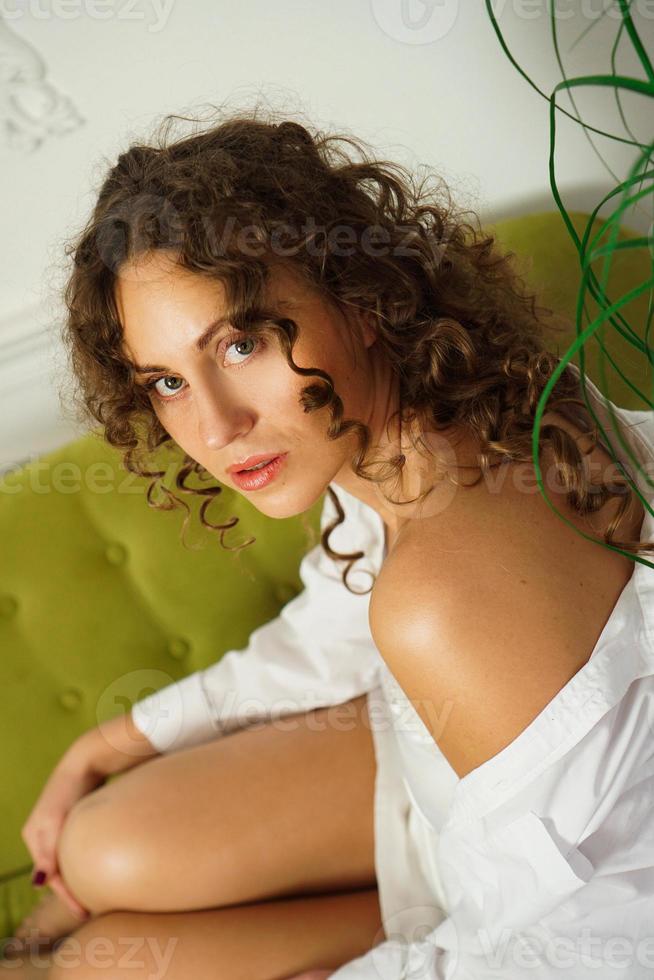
{"x":38,"y":878}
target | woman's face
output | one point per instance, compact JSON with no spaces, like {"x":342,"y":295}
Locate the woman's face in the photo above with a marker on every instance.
{"x":237,"y":397}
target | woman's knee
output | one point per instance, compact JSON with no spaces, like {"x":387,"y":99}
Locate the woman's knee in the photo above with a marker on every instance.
{"x":239,"y":819}
{"x":96,"y":857}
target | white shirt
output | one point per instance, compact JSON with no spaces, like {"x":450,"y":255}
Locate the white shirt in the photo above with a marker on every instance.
{"x":541,"y":859}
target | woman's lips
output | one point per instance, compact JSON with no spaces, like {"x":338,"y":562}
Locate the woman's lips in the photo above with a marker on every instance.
{"x":256,"y":479}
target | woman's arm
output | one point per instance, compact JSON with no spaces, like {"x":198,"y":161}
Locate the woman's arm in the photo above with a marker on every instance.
{"x":111,"y":747}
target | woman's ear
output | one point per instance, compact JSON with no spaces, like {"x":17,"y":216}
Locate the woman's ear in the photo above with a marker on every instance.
{"x":368,"y":329}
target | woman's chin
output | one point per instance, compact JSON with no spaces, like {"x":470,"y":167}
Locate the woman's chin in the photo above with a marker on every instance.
{"x":286,"y":503}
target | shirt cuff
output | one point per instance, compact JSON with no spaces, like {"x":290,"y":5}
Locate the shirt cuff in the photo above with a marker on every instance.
{"x":161,"y":716}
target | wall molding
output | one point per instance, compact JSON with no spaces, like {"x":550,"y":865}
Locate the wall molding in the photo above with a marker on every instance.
{"x":33,"y":369}
{"x":27,"y":345}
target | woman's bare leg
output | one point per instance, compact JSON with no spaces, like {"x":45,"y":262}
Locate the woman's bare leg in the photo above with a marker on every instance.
{"x":268,"y":940}
{"x":279,"y":809}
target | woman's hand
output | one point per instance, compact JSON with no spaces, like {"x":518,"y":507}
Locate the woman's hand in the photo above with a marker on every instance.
{"x":112,"y":747}
{"x":72,"y":779}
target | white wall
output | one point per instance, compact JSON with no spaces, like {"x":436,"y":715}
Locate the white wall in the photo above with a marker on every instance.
{"x":425,"y":82}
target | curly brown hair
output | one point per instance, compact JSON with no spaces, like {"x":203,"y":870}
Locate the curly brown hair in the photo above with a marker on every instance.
{"x":464,"y":336}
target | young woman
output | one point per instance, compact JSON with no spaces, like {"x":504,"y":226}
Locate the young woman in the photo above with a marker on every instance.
{"x":451,"y":769}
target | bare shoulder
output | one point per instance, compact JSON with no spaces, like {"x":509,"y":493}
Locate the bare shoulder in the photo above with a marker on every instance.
{"x":484,"y":612}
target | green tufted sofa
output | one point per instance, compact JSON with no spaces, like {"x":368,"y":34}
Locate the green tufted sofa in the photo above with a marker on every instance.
{"x":100,"y":603}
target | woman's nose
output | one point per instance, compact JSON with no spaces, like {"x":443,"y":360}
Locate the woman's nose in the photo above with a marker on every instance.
{"x":219,"y":421}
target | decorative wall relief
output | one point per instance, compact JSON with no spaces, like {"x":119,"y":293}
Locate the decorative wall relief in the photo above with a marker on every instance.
{"x":31,"y":109}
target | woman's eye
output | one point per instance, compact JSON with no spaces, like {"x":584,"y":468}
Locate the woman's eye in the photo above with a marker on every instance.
{"x":169,"y":377}
{"x":241,"y":343}
{"x":172,"y":392}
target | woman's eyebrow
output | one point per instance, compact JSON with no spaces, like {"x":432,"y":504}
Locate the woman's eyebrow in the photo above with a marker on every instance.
{"x":201,"y":343}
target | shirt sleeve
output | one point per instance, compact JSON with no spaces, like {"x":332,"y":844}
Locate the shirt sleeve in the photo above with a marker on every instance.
{"x":318,"y":651}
